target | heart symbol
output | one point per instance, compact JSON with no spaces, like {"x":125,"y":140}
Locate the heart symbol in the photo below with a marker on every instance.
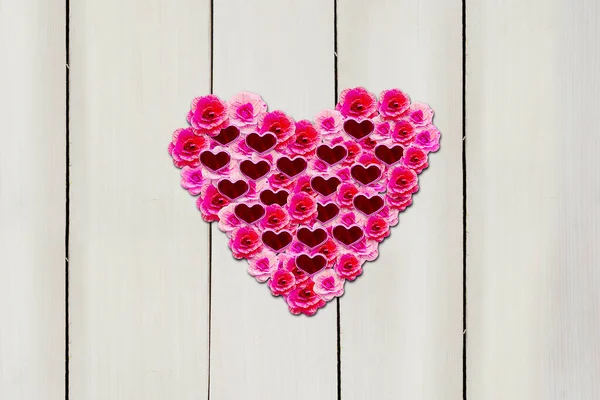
{"x":306,"y":203}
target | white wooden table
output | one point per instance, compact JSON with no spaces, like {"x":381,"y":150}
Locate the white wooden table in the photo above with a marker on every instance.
{"x":90,"y":92}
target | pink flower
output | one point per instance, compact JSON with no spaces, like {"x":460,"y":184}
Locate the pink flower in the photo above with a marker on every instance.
{"x":383,"y":128}
{"x":328,"y":284}
{"x":354,"y":151}
{"x":280,"y":181}
{"x":393,"y":103}
{"x":329,"y":122}
{"x":348,"y":219}
{"x":282,"y":282}
{"x":428,"y":139}
{"x":348,"y":266}
{"x":403,"y":132}
{"x":403,"y":181}
{"x":304,"y":141}
{"x":377,"y":228}
{"x":186,"y":147}
{"x":365,"y":249}
{"x":299,"y":275}
{"x":328,"y":248}
{"x":228,"y":221}
{"x":420,"y":114}
{"x":245,"y":109}
{"x":262,"y":266}
{"x":278,"y":123}
{"x":398,"y":202}
{"x":357,"y":103}
{"x":415,"y":158}
{"x":192,"y":180}
{"x":208,"y":114}
{"x":345,"y":195}
{"x":276,"y":218}
{"x":303,"y":186}
{"x":245,"y":242}
{"x":211,"y":203}
{"x":302,"y":208}
{"x":304,"y":300}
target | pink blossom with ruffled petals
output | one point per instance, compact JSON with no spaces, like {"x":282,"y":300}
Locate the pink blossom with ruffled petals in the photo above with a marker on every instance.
{"x":328,"y":248}
{"x":304,"y":141}
{"x":282,"y":282}
{"x":354,"y":151}
{"x":383,"y":128}
{"x":245,"y":242}
{"x":304,"y":300}
{"x":316,"y":165}
{"x":262,"y":266}
{"x":302,"y":208}
{"x":348,"y":218}
{"x":399,"y":202}
{"x":365,"y":249}
{"x":329,"y":122}
{"x":428,"y":139}
{"x":228,"y":221}
{"x":415,"y":158}
{"x":300,"y":276}
{"x":377,"y":228}
{"x":420,"y":114}
{"x":280,"y":181}
{"x":328,"y":284}
{"x":348,"y":266}
{"x":403,"y":133}
{"x":278,"y":123}
{"x":303,"y":186}
{"x":192,"y":180}
{"x":211,"y":203}
{"x":345,"y":195}
{"x":208,"y":114}
{"x":393,"y":103}
{"x":245,"y":110}
{"x":403,"y":181}
{"x":357,"y":103}
{"x":275,"y":219}
{"x":186,"y":147}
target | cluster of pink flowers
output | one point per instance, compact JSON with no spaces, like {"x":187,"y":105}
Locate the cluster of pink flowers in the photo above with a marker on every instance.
{"x":220,"y":130}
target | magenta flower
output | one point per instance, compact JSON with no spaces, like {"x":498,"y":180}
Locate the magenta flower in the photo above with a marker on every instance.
{"x":348,"y":266}
{"x":328,"y":284}
{"x":275,"y":219}
{"x":415,"y":158}
{"x":192,"y":180}
{"x":304,"y":141}
{"x":245,"y":242}
{"x":403,"y":132}
{"x":302,"y":208}
{"x":403,"y":181}
{"x":211,"y":203}
{"x":345,"y":195}
{"x":329,"y":123}
{"x":420,"y":114}
{"x":357,"y":103}
{"x":208,"y":114}
{"x":377,"y":228}
{"x":262,"y":266}
{"x":186,"y":147}
{"x":393,"y":103}
{"x":282,"y":282}
{"x":304,"y":300}
{"x":278,"y":123}
{"x":245,"y":110}
{"x":428,"y":139}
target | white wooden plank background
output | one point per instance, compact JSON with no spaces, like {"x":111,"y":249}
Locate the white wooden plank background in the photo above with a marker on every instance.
{"x":32,"y":200}
{"x":534,"y":199}
{"x":145,"y":322}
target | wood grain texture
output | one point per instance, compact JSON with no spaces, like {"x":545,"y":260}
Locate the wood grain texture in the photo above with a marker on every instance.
{"x":533,"y":199}
{"x":139,"y":250}
{"x":401,"y":321}
{"x":282,"y":50}
{"x":32,"y":200}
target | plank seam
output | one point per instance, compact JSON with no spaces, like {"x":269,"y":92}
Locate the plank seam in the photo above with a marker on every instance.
{"x":67,"y":192}
{"x":464,"y":179}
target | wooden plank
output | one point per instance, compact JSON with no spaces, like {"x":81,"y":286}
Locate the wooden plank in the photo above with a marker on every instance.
{"x":282,"y":50}
{"x":139,"y":250}
{"x":401,"y":321}
{"x":534,"y":193}
{"x":32,"y":200}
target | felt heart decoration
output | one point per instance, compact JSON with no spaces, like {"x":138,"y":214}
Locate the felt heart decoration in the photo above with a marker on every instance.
{"x":306,"y":203}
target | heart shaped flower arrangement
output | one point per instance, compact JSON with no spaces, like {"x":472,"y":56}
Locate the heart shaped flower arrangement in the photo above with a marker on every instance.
{"x":306,"y":203}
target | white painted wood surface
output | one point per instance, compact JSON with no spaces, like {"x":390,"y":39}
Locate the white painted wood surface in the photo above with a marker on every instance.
{"x":283,"y":50}
{"x":401,"y":320}
{"x":139,"y":250}
{"x":32,"y":200}
{"x":533,"y":199}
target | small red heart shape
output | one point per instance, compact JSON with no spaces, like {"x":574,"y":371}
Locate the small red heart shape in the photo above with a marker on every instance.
{"x":277,"y":241}
{"x":249,"y":214}
{"x":323,"y":186}
{"x":365,"y":175}
{"x":389,"y":155}
{"x":293,"y":167}
{"x":327,"y":212}
{"x":232,"y":190}
{"x":261,"y":143}
{"x":214,"y":162}
{"x":311,"y":238}
{"x":227,"y":135}
{"x":368,"y":205}
{"x":253,"y":170}
{"x":358,"y":130}
{"x":269,"y":197}
{"x":310,"y":265}
{"x":330,"y":155}
{"x":347,"y":236}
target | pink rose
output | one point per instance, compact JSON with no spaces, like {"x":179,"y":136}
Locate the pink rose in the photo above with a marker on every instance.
{"x":398,"y":202}
{"x":278,"y":123}
{"x":210,"y":204}
{"x":377,"y":228}
{"x":303,"y":186}
{"x":345,"y":195}
{"x":415,"y":158}
{"x":186,"y":147}
{"x":304,"y":141}
{"x":262,"y":266}
{"x":403,"y":181}
{"x":328,"y":248}
{"x":245,"y":109}
{"x":208,"y":114}
{"x":228,"y":221}
{"x":280,"y":180}
{"x":348,"y":266}
{"x":316,"y":165}
{"x":192,"y":180}
{"x":282,"y":282}
{"x":329,"y":122}
{"x":304,"y":300}
{"x":365,"y":249}
{"x":299,"y":275}
{"x":302,"y":208}
{"x":245,"y":242}
{"x":403,"y":132}
{"x":276,"y":218}
{"x":428,"y":139}
{"x":357,"y":103}
{"x":383,"y":128}
{"x":328,"y":284}
{"x":354,"y":151}
{"x":393,"y":103}
{"x":348,"y":219}
{"x":420,"y":114}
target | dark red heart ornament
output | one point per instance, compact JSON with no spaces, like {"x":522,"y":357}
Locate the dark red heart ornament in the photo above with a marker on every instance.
{"x":307,"y":204}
